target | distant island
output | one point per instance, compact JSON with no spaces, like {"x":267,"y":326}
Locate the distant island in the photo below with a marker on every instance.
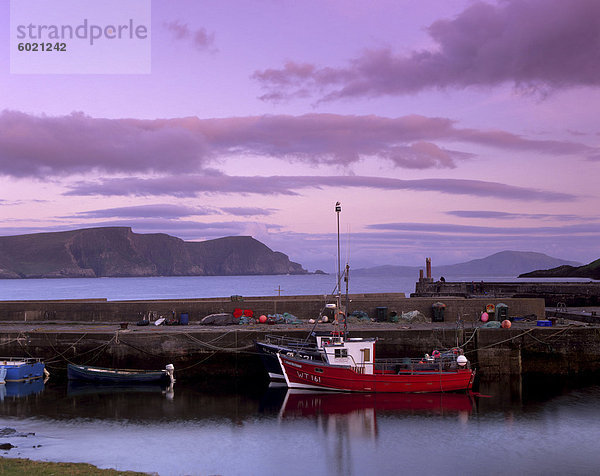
{"x":119,"y":252}
{"x":591,"y":270}
{"x":503,"y":263}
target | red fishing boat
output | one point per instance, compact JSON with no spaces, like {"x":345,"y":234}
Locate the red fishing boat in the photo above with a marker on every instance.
{"x":349,"y":365}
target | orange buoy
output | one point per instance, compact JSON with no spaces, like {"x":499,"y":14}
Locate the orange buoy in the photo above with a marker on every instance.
{"x":262,"y":319}
{"x":506,"y":324}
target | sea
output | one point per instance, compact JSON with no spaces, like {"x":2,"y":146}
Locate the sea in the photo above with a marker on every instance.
{"x":518,"y":426}
{"x":189,"y":287}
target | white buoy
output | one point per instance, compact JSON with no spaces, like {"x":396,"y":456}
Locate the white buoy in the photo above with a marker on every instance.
{"x":461,"y":360}
{"x":170,"y":368}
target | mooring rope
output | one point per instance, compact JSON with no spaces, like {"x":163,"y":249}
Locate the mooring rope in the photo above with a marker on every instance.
{"x":14,"y":340}
{"x":61,"y":354}
{"x":217,"y":348}
{"x":527,"y":332}
{"x":470,"y":338}
{"x":99,"y":348}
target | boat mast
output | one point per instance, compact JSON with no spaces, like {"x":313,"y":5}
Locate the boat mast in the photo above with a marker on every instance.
{"x":338,"y":209}
{"x":346,"y":310}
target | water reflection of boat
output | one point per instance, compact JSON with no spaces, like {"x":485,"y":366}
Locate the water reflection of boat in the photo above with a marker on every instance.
{"x":355,"y":414}
{"x":76,"y":388}
{"x":21,"y":389}
{"x":298,"y":403}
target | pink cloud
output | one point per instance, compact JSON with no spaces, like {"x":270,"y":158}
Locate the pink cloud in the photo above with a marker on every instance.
{"x":200,"y":38}
{"x":46,"y":146}
{"x":339,"y":139}
{"x":149,"y":211}
{"x":168,"y":211}
{"x":192,"y":185}
{"x":495,"y":215}
{"x":535,"y":45}
{"x":425,"y":155}
{"x":43,"y":146}
{"x":488,"y":230}
{"x":247,"y":211}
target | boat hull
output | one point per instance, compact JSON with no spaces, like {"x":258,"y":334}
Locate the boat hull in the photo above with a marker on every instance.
{"x":101,"y":374}
{"x":22,"y":370}
{"x":268,"y":354}
{"x":299,"y":373}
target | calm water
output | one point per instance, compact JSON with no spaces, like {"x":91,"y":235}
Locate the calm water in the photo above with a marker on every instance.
{"x":209,"y":286}
{"x":514,"y":428}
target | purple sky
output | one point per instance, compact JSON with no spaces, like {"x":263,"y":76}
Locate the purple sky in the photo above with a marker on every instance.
{"x":447,"y":128}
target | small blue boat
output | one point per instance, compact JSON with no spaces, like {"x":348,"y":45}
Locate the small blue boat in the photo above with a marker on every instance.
{"x":21,"y":369}
{"x":102,"y":374}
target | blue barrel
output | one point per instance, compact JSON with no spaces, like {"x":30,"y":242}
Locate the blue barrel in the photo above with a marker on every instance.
{"x":184,"y":319}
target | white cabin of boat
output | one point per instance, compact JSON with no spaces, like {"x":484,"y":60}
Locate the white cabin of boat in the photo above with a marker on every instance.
{"x":358,"y":353}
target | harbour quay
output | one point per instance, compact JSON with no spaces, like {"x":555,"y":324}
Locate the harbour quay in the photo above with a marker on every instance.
{"x":378,"y":306}
{"x":554,"y":293}
{"x":104,"y":333}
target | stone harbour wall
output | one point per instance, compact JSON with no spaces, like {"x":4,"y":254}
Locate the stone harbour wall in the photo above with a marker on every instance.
{"x":202,"y":354}
{"x":570,"y":293}
{"x":303,"y":307}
